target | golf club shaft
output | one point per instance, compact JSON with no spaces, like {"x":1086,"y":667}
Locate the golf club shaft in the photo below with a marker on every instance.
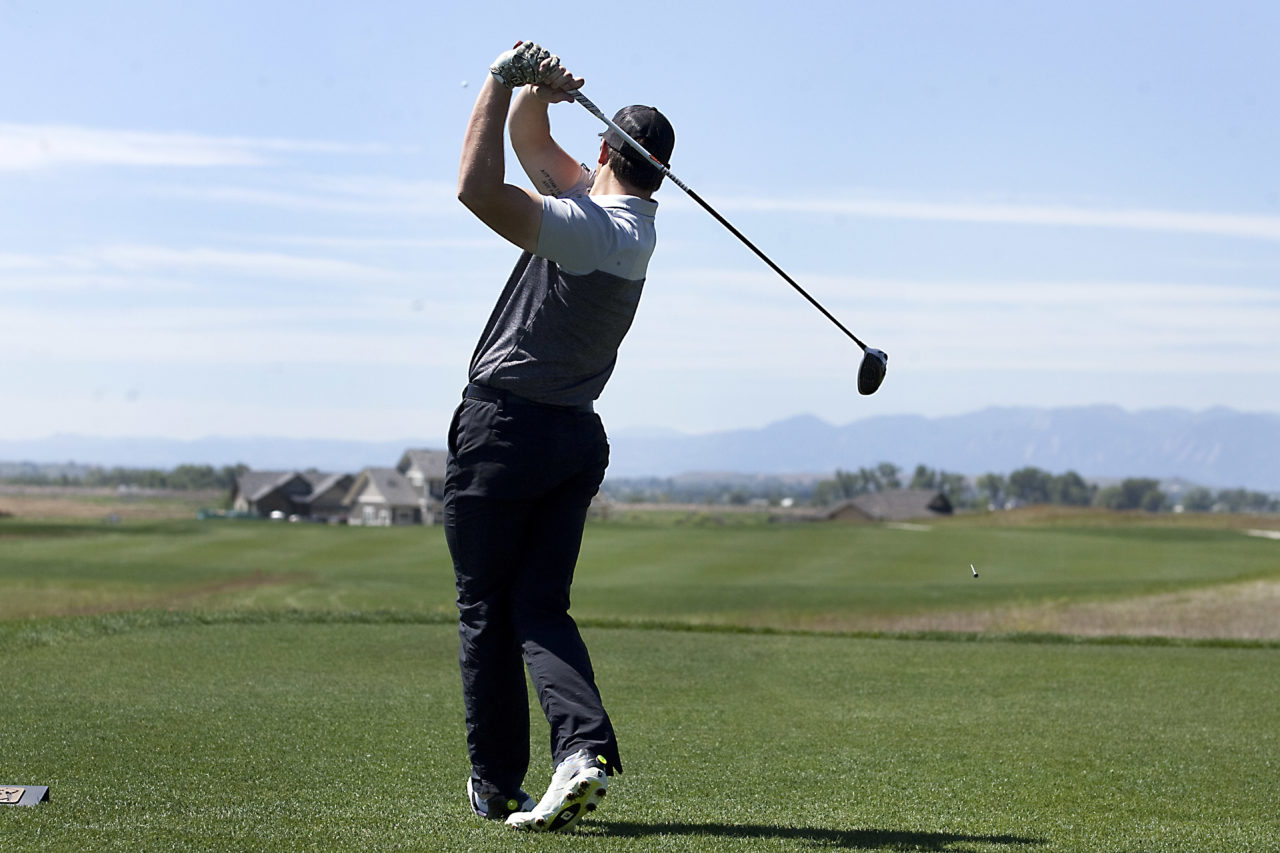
{"x":658,"y":164}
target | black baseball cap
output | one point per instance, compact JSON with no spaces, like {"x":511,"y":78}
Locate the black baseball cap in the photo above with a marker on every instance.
{"x":648,"y":127}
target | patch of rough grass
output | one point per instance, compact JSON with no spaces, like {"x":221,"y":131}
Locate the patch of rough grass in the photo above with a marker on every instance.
{"x":1051,"y":516}
{"x":1239,"y":611}
{"x":25,"y":600}
{"x":97,"y":504}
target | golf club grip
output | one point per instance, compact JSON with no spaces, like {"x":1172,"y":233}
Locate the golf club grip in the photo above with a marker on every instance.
{"x":594,"y":110}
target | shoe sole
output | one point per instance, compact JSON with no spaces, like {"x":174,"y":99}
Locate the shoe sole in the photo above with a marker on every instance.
{"x":586,"y":796}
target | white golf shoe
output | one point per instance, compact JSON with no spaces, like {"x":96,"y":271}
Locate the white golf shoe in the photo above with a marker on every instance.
{"x":498,"y":807}
{"x":578,"y":786}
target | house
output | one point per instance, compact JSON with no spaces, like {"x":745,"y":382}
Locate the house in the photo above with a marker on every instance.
{"x":324,"y":503}
{"x":893,"y":505}
{"x":847,"y":511}
{"x":424,"y":469}
{"x":265,"y":492}
{"x":381,"y":497}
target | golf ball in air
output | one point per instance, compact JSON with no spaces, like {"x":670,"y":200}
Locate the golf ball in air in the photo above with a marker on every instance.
{"x":972,"y":569}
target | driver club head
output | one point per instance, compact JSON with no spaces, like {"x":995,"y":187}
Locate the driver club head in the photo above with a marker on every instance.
{"x":871,"y":371}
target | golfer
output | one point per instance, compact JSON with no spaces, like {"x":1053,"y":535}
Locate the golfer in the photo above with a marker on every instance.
{"x":526,"y":450}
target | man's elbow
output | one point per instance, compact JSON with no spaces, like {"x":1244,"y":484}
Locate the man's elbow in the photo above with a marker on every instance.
{"x":475,"y":199}
{"x":508,"y":210}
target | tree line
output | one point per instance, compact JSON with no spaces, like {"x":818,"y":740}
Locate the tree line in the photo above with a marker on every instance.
{"x":184,"y":478}
{"x":1031,"y":485}
{"x":1025,"y":486}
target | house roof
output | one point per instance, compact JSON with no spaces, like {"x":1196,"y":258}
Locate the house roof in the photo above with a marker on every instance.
{"x":325,"y":483}
{"x":389,"y":483}
{"x":430,"y":462}
{"x":315,"y":478}
{"x":255,"y":485}
{"x":848,"y":511}
{"x":903,"y":504}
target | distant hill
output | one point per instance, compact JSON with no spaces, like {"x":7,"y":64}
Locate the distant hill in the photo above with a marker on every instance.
{"x":1219,"y":448}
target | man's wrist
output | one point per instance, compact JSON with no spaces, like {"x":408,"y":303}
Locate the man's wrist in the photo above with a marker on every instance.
{"x":527,"y":96}
{"x":500,"y":87}
{"x":497,"y":78}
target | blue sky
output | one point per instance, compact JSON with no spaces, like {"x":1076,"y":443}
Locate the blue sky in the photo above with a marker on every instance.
{"x":239,"y":218}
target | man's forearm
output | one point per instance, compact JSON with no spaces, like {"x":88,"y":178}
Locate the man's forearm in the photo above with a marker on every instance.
{"x":530,"y":128}
{"x":483,"y":168}
{"x":530,"y":125}
{"x":512,"y":212}
{"x":544,"y":161}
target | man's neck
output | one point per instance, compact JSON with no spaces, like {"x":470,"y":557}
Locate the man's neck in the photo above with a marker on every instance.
{"x":607,"y":183}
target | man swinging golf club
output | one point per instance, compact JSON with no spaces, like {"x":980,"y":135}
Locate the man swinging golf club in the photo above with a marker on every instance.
{"x":526,"y":451}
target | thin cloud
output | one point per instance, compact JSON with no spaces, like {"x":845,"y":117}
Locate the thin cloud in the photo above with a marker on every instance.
{"x":258,"y":264}
{"x":1092,"y":326}
{"x":30,"y":147}
{"x":222,"y":337}
{"x":350,"y":195}
{"x":10,"y":261}
{"x":362,"y":244}
{"x":143,"y":268}
{"x":763,"y":285}
{"x":1247,"y":226}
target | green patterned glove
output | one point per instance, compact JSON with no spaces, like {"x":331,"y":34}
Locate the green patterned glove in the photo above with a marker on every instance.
{"x":522,"y":65}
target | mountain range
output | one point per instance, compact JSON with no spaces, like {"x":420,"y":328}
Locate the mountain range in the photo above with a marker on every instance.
{"x":1219,"y":447}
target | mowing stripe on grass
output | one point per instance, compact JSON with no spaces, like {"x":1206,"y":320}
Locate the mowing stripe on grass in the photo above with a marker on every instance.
{"x":48,"y":632}
{"x":852,"y":578}
{"x":315,"y":735}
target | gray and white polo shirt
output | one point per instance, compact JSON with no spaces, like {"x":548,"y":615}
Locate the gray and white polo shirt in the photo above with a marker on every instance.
{"x":555,"y":332}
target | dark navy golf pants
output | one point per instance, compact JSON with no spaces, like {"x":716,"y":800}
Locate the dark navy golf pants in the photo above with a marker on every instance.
{"x":519,"y":481}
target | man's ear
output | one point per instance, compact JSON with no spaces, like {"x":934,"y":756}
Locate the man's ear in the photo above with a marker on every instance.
{"x":604,"y":153}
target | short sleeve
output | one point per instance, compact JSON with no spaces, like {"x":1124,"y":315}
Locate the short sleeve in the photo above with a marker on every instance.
{"x":576,"y":234}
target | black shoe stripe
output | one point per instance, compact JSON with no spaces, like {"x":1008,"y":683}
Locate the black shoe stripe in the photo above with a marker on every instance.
{"x":567,"y":814}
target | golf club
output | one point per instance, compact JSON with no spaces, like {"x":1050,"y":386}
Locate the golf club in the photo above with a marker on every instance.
{"x":874,"y":362}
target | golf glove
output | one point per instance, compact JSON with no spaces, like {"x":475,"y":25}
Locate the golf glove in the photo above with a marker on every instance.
{"x":523,"y":65}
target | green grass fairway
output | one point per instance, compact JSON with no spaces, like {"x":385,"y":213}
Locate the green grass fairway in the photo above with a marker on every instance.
{"x":776,"y":576}
{"x":347,"y":736}
{"x":257,"y":687}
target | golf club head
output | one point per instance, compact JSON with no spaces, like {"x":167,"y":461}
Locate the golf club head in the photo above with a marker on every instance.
{"x":871,"y":372}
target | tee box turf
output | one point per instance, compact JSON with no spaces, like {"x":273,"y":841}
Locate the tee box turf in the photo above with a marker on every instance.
{"x":23,"y":795}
